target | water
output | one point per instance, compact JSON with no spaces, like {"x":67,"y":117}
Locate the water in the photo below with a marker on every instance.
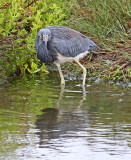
{"x":40,"y":120}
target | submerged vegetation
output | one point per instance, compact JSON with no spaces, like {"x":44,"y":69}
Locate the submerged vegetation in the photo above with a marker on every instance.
{"x":106,"y":22}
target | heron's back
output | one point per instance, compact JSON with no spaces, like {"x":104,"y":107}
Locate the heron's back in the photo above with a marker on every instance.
{"x":69,"y":42}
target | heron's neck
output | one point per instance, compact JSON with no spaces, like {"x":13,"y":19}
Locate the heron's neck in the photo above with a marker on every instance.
{"x":43,"y":52}
{"x":46,"y":50}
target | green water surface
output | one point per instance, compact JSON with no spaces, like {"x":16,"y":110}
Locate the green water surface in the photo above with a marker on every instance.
{"x":41,"y":120}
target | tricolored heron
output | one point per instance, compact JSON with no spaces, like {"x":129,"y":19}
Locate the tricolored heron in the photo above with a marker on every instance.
{"x":59,"y":44}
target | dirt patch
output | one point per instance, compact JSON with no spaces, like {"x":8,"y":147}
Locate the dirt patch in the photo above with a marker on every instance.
{"x":114,"y":64}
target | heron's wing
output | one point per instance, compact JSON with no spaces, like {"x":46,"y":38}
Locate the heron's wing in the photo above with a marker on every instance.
{"x":69,"y":42}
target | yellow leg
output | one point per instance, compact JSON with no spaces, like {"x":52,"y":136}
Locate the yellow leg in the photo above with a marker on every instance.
{"x":60,"y":72}
{"x":84,"y":71}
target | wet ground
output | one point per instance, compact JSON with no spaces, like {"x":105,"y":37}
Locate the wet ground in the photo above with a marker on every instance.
{"x":40,"y":120}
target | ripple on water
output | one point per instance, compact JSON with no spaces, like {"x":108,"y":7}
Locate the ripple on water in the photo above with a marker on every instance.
{"x":43,"y":121}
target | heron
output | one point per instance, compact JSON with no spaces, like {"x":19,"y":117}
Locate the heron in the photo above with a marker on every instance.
{"x":60,"y":44}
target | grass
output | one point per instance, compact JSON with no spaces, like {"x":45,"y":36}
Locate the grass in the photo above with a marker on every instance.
{"x":106,"y":21}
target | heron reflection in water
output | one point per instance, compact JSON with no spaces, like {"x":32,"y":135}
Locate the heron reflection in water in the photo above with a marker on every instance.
{"x":51,"y":124}
{"x":59,"y":44}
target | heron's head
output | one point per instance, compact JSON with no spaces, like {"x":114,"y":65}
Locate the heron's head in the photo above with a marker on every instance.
{"x":45,"y":35}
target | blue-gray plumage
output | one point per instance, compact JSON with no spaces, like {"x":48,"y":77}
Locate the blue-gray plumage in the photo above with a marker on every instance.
{"x":59,"y":44}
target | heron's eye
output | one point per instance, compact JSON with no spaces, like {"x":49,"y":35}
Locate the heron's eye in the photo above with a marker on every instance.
{"x":43,"y":35}
{"x":48,"y":35}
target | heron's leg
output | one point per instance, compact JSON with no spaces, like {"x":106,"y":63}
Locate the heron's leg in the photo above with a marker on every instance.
{"x":84,"y":71}
{"x":60,"y":72}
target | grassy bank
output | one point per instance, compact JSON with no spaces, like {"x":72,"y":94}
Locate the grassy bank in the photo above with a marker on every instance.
{"x":105,"y":22}
{"x":108,"y":24}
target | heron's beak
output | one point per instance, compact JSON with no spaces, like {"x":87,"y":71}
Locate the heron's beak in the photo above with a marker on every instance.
{"x":45,"y":38}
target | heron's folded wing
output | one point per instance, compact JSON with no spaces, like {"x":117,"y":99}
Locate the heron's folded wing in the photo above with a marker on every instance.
{"x":71,"y":47}
{"x":69,"y":42}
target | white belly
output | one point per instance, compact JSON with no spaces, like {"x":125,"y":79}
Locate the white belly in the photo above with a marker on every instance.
{"x":63,"y":59}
